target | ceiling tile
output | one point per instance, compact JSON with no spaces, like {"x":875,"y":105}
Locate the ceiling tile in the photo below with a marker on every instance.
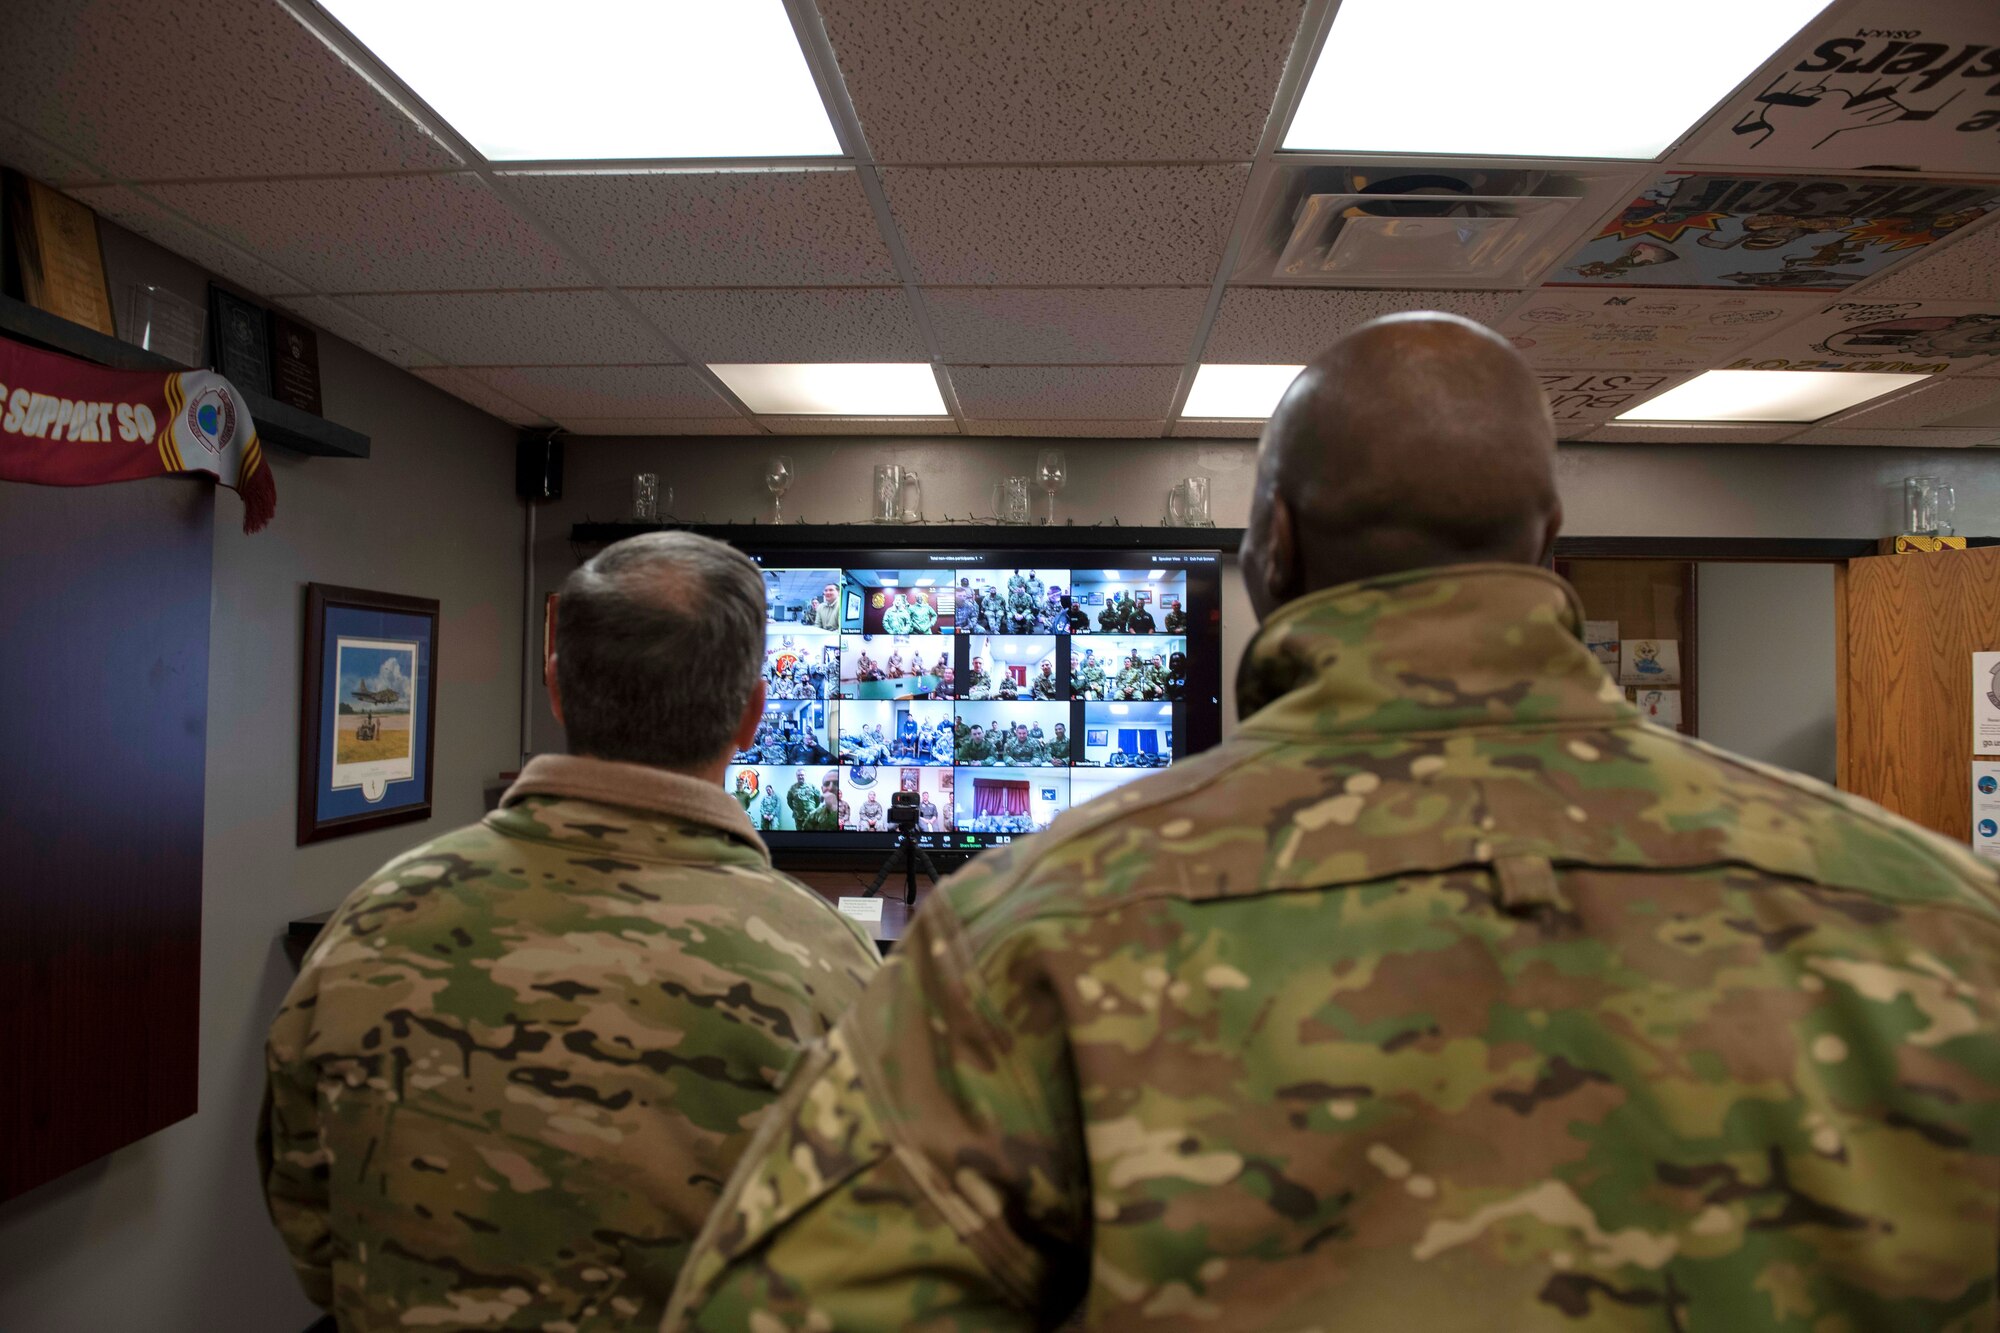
{"x":796,"y":425}
{"x":1033,"y":393}
{"x":1186,"y":429}
{"x":517,"y":328}
{"x":1289,"y":326}
{"x":1035,"y":226}
{"x":1051,"y":325}
{"x":714,"y":228}
{"x":1883,"y":337}
{"x":1964,"y":268}
{"x":660,"y":426}
{"x":1599,"y":395}
{"x":1053,"y":80}
{"x":221,"y":88}
{"x":1904,"y":439}
{"x":380,"y":234}
{"x":1934,"y":402}
{"x":806,"y":324}
{"x":1082,"y":430}
{"x":598,"y":392}
{"x":136,"y":212}
{"x":1825,"y":102}
{"x":468,"y":388}
{"x":35,"y":157}
{"x":1660,"y":330}
{"x":326,"y":313}
{"x":1731,"y":434}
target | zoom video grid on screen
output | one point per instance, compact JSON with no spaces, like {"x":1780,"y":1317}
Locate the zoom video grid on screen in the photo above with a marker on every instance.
{"x":1003,"y":687}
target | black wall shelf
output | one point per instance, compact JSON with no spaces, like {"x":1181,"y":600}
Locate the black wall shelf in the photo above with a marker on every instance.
{"x":814,"y":536}
{"x":817,"y":536}
{"x":278,"y":424}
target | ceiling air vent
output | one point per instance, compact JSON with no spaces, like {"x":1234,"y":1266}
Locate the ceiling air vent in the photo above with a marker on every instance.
{"x":1421,"y":226}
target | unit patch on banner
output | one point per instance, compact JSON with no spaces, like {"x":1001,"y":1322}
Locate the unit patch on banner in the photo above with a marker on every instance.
{"x":1783,"y":233}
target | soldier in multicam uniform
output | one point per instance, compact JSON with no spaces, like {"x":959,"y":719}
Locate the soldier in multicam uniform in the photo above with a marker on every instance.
{"x":1447,"y":995}
{"x":1044,"y":685}
{"x":1176,"y":621}
{"x":506,"y":1086}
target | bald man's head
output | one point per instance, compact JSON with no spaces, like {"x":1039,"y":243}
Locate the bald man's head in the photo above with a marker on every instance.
{"x":1417,"y":440}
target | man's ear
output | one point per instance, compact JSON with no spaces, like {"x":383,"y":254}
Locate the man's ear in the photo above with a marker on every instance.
{"x":753,"y":717}
{"x":549,"y":661}
{"x":1549,"y":536}
{"x":1274,"y":580}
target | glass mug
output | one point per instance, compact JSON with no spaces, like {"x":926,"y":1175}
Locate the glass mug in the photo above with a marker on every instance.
{"x":888,"y":507}
{"x":1010,"y":499}
{"x":1929,"y":507}
{"x":1187,"y":503}
{"x":645,"y":497}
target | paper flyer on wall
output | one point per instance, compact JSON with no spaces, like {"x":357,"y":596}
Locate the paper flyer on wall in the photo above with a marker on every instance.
{"x":1986,"y":703}
{"x":1662,"y":707}
{"x":1986,"y":808}
{"x":1601,"y":637}
{"x":1649,"y":662}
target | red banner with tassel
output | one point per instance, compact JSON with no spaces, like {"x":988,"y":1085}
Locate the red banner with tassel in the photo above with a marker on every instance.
{"x":65,"y":422}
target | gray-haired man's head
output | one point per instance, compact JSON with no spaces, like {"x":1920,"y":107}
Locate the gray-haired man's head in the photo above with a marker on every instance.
{"x":659,"y":645}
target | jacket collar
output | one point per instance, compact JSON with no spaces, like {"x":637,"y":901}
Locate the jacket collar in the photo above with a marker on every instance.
{"x":682,"y":800}
{"x":1427,"y":651}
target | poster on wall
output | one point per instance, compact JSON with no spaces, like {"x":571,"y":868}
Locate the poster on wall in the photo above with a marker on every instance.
{"x":1887,"y":337}
{"x":1665,"y":330}
{"x":1601,"y":637}
{"x":1986,"y":808}
{"x":1882,"y":84}
{"x":1649,"y":662}
{"x":1780,"y":233}
{"x":366,"y":732}
{"x":1986,"y":703}
{"x":1660,"y":707}
{"x":1599,"y":395}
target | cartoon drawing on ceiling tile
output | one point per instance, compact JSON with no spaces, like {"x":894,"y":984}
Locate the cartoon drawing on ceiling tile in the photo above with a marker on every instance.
{"x":1892,"y":337}
{"x":1661,"y":330}
{"x":1885,"y":84}
{"x":1784,"y":233}
{"x":1599,"y":395}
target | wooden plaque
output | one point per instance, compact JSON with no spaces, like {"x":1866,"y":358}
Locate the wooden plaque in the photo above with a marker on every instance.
{"x":294,"y":364}
{"x":61,"y":261}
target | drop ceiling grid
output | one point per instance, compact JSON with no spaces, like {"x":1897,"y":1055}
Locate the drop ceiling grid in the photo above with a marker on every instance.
{"x":1055,"y":240}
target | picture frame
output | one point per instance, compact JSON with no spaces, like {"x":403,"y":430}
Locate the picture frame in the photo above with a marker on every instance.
{"x":239,"y":340}
{"x":367,"y":711}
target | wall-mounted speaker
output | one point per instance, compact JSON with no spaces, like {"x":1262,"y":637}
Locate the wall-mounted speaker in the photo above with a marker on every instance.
{"x":538,"y":466}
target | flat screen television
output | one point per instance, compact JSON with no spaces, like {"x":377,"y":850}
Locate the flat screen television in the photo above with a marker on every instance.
{"x":1003,"y":686}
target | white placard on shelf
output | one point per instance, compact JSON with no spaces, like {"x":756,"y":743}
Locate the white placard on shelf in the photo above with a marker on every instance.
{"x":862,"y":909}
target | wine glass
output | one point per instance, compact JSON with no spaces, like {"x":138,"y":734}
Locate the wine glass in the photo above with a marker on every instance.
{"x":1052,"y":470}
{"x":778,"y":480}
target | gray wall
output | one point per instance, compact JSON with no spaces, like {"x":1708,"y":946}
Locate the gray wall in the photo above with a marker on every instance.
{"x":169,"y":1235}
{"x":1635,"y":490}
{"x":1764,"y":649}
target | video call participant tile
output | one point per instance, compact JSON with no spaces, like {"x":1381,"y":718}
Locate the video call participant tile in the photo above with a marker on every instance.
{"x":900,"y":666}
{"x":1133,"y":601}
{"x":1128,"y":666}
{"x":1012,"y":601}
{"x":899,"y":601}
{"x":801,"y":666}
{"x":886,"y":732}
{"x":1010,"y":667}
{"x":797,"y":600}
{"x":1128,"y":735}
{"x":1024,"y":735}
{"x":794,"y":731}
{"x":786,"y":798}
{"x":1009,"y":801}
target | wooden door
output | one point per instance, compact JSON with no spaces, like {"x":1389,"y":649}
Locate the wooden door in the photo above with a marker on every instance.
{"x":103,"y":734}
{"x":1908,"y":626}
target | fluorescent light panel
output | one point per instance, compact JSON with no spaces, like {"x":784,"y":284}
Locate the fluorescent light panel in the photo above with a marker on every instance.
{"x":1534,"y":80}
{"x":1237,"y":393}
{"x":1767,"y":395}
{"x":603,"y":79}
{"x":878,"y":389}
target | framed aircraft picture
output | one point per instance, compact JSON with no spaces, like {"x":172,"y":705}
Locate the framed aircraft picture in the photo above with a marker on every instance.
{"x":368,"y":699}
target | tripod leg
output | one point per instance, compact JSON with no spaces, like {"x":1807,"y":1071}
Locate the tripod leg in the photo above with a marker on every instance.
{"x":930,"y":867}
{"x":881,"y":877}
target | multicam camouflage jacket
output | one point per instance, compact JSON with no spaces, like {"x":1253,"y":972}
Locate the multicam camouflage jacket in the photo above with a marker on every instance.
{"x":1447,"y":995}
{"x":521,"y":1060}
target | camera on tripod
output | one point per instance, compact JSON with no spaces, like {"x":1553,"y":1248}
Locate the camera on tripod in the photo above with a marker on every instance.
{"x":903,"y":810}
{"x":903,"y":817}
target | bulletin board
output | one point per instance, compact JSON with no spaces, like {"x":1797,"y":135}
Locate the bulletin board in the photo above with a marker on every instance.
{"x":1652,"y":600}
